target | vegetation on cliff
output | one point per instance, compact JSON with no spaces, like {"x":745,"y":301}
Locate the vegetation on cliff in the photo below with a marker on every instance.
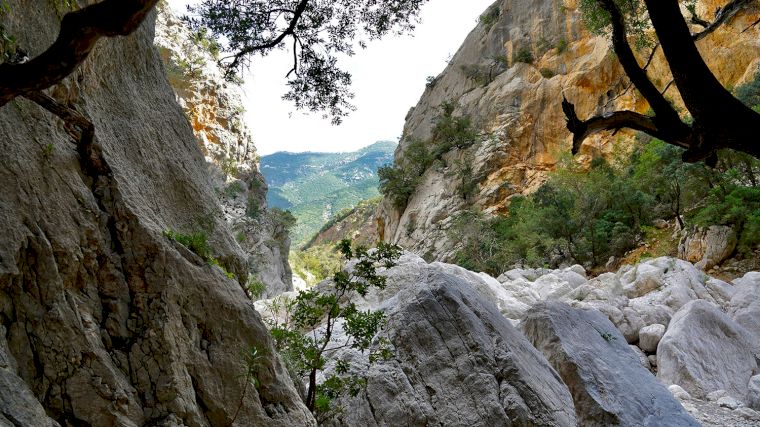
{"x":587,"y":216}
{"x":399,"y":181}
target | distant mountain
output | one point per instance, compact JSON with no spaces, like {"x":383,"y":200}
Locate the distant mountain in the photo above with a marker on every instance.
{"x":315,"y":186}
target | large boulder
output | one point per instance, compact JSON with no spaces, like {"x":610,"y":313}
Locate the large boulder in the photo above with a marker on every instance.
{"x":753,"y":396}
{"x":458,"y":362}
{"x":704,"y":350}
{"x":708,"y":247}
{"x":610,"y":387}
{"x":745,"y":306}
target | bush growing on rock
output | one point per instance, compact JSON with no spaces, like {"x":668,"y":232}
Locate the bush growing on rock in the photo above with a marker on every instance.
{"x":399,"y":181}
{"x":587,"y":216}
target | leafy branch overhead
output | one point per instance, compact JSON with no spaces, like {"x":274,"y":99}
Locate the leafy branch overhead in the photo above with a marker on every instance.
{"x":315,"y":32}
{"x":717,"y":119}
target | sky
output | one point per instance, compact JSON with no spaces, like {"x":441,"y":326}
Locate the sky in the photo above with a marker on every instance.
{"x":388,"y":79}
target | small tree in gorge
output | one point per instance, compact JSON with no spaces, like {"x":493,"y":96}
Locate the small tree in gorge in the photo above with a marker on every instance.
{"x":315,"y":31}
{"x":308,"y":332}
{"x":718,"y":119}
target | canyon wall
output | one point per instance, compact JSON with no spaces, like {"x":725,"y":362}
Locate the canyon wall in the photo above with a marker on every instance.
{"x":516,"y":106}
{"x":214,"y":107}
{"x":104,"y":320}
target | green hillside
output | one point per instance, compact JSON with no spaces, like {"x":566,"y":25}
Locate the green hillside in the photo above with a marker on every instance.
{"x":315,"y":186}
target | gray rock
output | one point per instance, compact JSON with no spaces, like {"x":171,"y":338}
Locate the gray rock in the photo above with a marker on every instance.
{"x":678,"y":392}
{"x":704,"y":350}
{"x":458,"y":362}
{"x":215,"y":108}
{"x":650,"y":336}
{"x":641,"y":280}
{"x":753,"y":394}
{"x":652,"y":360}
{"x":713,"y":396}
{"x":708,"y":247}
{"x":744,"y":306}
{"x":608,"y":383}
{"x":642,"y":357}
{"x":729,"y":402}
{"x":748,"y":413}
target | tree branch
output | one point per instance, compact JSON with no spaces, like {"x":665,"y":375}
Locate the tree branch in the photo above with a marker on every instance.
{"x":80,"y":30}
{"x":661,"y":107}
{"x":722,"y":15}
{"x":77,"y":125}
{"x":582,"y":129}
{"x":239,"y":56}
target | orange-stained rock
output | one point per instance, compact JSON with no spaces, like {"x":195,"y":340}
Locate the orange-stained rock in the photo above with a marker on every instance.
{"x":519,"y":111}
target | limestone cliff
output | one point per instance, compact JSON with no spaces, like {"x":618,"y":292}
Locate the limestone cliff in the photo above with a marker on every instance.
{"x":215,"y":110}
{"x":103,"y":319}
{"x":516,"y":105}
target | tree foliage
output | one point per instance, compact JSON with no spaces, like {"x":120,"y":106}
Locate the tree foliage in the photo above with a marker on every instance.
{"x":587,"y":216}
{"x":316,"y":32}
{"x":307,"y":333}
{"x":450,"y":131}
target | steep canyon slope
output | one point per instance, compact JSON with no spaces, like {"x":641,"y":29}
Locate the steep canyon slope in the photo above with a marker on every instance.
{"x":103,"y":319}
{"x":215,"y":110}
{"x":509,"y":77}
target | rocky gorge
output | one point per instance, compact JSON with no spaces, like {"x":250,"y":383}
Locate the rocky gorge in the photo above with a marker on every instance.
{"x":129,"y":267}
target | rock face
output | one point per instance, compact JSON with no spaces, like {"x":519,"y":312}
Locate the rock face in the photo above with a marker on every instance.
{"x":708,"y":247}
{"x":609,"y":385}
{"x":458,"y":362}
{"x":744,"y":307}
{"x":104,"y":320}
{"x":704,"y":350}
{"x":517,"y":106}
{"x":215,"y":111}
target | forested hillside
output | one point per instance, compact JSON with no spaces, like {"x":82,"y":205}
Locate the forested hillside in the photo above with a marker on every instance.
{"x":315,"y":186}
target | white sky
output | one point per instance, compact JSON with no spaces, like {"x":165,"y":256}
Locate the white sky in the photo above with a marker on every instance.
{"x":388,"y":79}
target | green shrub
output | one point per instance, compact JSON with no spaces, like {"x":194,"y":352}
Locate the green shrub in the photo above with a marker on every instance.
{"x":316,"y":263}
{"x":523,"y":55}
{"x":586,"y":216}
{"x":305,"y":353}
{"x":490,"y":16}
{"x":234,"y":189}
{"x":547,"y":73}
{"x":229,"y":166}
{"x":196,"y":242}
{"x":253,"y":208}
{"x":202,"y":39}
{"x":283,"y":220}
{"x":399,"y":181}
{"x":255,"y":287}
{"x":749,"y":93}
{"x":467,"y":185}
{"x":561,"y":46}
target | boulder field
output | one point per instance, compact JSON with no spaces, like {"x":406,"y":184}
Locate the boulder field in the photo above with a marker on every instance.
{"x":659,"y":343}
